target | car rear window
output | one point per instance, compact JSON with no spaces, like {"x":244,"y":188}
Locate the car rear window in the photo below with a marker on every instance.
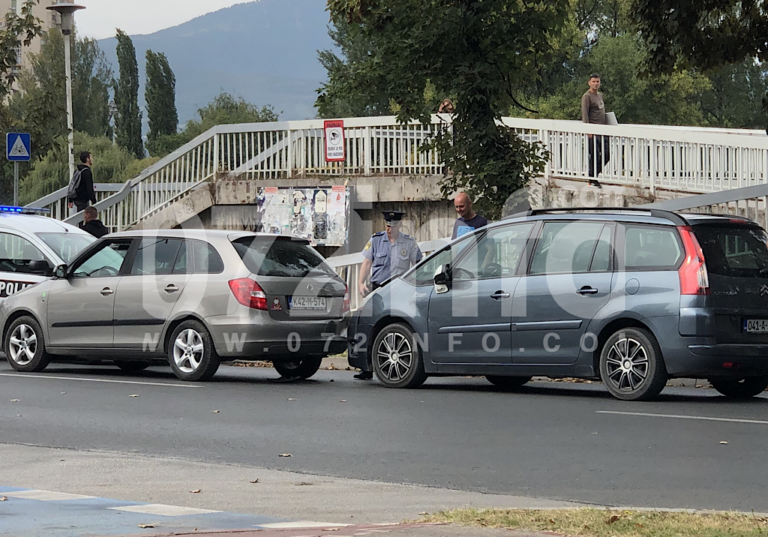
{"x":266,"y":256}
{"x":734,"y":250}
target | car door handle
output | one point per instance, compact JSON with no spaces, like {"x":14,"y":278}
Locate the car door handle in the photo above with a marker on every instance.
{"x":498,"y":295}
{"x":106,"y":291}
{"x":171,"y":289}
{"x":587,"y":290}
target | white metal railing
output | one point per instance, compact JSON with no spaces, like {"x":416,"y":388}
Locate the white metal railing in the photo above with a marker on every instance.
{"x":348,"y":267}
{"x":682,"y":159}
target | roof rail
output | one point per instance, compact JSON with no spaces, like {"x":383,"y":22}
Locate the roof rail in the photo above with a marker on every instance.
{"x":658,"y":213}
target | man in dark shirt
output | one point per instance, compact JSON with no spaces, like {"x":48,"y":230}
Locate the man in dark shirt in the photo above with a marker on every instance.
{"x":593,"y":111}
{"x":468,"y":219}
{"x":93,"y":225}
{"x":85,"y":192}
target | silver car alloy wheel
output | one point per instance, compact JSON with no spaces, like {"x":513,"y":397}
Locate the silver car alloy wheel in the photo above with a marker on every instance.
{"x":23,"y":344}
{"x":627,"y":364}
{"x":188,"y":350}
{"x":395,"y":356}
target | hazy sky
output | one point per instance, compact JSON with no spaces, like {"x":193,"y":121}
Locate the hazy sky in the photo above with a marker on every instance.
{"x":101,"y":17}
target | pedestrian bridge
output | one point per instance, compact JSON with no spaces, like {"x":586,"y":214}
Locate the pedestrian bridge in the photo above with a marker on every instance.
{"x":675,"y":160}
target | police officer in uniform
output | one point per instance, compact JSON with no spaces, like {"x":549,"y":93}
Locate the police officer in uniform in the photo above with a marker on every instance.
{"x":390,"y":254}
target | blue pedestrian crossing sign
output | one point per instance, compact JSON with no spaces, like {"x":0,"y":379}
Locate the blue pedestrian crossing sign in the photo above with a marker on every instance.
{"x":18,"y":146}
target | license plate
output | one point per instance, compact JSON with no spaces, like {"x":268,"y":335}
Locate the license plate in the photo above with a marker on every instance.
{"x":307,"y":303}
{"x":756,"y":326}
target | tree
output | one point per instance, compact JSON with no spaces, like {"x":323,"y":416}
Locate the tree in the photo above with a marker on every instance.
{"x":112,"y":164}
{"x":160,"y":97}
{"x":128,"y":121}
{"x":484,"y":54}
{"x":344,"y":95}
{"x":19,"y":31}
{"x":704,"y":34}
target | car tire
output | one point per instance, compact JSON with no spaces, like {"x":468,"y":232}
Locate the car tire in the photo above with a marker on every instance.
{"x":299,"y":368}
{"x":741,"y":388}
{"x":24,"y":346}
{"x":397,"y":360}
{"x":130,"y":366}
{"x":191,"y":352}
{"x":632,"y":366}
{"x":507,"y":383}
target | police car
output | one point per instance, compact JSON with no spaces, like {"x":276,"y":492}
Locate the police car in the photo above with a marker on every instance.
{"x":32,"y":245}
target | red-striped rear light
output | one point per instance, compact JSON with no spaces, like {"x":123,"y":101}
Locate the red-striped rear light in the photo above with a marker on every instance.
{"x":249,"y":293}
{"x":345,"y":307}
{"x":694,"y":279}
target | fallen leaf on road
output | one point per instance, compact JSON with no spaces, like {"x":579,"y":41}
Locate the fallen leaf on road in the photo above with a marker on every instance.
{"x":14,"y":400}
{"x":62,"y":393}
{"x":3,"y":498}
{"x":146,"y":525}
{"x":330,"y":529}
{"x":216,"y":411}
{"x":304,"y":484}
{"x":255,"y":481}
{"x":286,"y":455}
{"x":291,"y":399}
{"x":196,"y":491}
{"x":423,"y":513}
{"x":342,"y":401}
{"x":723,"y":442}
{"x":133,"y":395}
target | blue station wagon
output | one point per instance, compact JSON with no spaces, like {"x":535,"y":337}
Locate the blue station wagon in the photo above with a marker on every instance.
{"x":632,"y":297}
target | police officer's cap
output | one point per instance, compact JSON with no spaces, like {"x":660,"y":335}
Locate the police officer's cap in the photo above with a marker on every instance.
{"x":392,"y":218}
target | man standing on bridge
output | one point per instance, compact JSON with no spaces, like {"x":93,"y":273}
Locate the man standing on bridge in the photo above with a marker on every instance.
{"x":593,"y":112}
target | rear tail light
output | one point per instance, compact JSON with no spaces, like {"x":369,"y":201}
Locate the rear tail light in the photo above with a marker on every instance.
{"x":345,"y":307}
{"x":249,"y":293}
{"x":694,"y":279}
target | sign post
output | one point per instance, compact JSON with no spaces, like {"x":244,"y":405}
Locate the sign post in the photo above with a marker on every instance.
{"x":334,"y":141}
{"x":18,"y":149}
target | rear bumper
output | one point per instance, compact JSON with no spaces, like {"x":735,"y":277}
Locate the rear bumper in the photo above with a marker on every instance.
{"x":719,"y":361}
{"x":244,"y":339}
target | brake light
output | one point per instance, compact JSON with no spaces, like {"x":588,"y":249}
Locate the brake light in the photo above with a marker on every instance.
{"x":694,"y":279}
{"x":249,"y":293}
{"x":345,"y":307}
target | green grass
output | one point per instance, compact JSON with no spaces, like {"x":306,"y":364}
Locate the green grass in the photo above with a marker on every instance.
{"x":607,"y":523}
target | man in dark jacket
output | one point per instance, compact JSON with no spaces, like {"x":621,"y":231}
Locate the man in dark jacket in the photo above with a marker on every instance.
{"x":93,"y":225}
{"x":85,"y":192}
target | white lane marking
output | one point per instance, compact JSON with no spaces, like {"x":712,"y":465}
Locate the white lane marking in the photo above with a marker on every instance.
{"x":158,"y":509}
{"x":301,"y":524}
{"x":45,"y":495}
{"x":16,"y":375}
{"x":681,"y":417}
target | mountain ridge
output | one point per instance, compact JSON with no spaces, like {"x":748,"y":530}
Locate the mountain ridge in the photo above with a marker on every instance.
{"x":264,"y":51}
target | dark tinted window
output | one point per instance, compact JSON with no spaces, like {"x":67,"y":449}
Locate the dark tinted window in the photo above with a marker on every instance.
{"x":155,"y":256}
{"x":651,"y":246}
{"x":739,"y":251}
{"x":207,"y":259}
{"x":565,"y":247}
{"x":273,"y":257}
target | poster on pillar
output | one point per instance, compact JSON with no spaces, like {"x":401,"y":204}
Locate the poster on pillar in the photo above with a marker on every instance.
{"x":334,"y":141}
{"x":320,"y":215}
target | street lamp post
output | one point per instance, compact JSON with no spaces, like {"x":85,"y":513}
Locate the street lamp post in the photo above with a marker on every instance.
{"x":67,"y":12}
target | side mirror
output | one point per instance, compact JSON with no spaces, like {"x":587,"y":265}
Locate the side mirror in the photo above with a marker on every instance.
{"x":41,"y":266}
{"x":442,"y":279}
{"x":60,"y":272}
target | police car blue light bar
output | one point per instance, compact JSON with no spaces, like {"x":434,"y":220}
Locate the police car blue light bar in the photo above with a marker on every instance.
{"x":23,"y":210}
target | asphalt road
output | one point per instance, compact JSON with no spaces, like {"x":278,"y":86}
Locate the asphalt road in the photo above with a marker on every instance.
{"x":550,"y":440}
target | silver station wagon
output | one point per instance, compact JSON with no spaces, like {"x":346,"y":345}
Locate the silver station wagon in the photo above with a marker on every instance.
{"x":194,"y":298}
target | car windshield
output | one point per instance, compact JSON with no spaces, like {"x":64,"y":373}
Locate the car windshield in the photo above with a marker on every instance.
{"x":66,"y":245}
{"x":279,"y":257}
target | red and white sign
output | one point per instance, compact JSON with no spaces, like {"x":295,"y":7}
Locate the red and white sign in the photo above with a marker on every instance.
{"x":334,"y":141}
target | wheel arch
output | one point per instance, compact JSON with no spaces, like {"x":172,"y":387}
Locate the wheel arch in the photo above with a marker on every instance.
{"x":15,"y":315}
{"x":608,"y":330}
{"x":176,"y":322}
